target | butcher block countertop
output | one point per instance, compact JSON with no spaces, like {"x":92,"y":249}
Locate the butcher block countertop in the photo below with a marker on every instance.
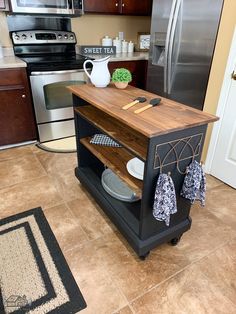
{"x":169,"y":116}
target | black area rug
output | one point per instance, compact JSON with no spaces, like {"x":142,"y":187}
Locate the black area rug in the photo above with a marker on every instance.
{"x":34,"y":275}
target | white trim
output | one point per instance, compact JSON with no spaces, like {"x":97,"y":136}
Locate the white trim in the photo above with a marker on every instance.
{"x":231,"y":63}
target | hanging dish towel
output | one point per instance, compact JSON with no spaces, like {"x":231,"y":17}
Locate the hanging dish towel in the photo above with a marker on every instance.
{"x":194,"y":186}
{"x":165,"y":199}
{"x":101,"y":139}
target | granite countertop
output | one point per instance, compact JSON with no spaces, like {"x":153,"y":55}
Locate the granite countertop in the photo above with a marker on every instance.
{"x":11,"y":62}
{"x":130,"y":56}
{"x":14,"y":62}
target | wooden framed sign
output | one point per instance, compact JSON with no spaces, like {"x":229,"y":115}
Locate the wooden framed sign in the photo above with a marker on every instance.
{"x":143,"y":41}
{"x":98,"y":50}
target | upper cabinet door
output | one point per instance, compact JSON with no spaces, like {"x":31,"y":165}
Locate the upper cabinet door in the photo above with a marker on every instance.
{"x":102,"y":6}
{"x":134,"y":7}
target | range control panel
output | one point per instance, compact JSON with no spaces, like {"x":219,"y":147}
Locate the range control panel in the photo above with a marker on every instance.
{"x":43,"y":37}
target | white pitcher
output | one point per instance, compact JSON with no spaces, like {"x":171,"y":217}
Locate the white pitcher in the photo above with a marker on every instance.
{"x":100,"y":75}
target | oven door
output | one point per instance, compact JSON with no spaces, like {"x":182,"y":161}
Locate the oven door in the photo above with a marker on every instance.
{"x":52,"y":100}
{"x":62,"y":7}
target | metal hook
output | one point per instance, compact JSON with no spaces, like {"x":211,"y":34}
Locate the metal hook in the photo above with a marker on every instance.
{"x":160,"y":168}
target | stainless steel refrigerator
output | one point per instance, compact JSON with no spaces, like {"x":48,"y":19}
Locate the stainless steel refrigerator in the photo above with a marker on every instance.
{"x":183,"y":35}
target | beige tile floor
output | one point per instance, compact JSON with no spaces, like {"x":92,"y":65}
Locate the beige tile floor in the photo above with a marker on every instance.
{"x":197,"y":276}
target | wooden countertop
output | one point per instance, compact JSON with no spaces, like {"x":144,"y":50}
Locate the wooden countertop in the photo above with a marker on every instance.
{"x":167,"y":117}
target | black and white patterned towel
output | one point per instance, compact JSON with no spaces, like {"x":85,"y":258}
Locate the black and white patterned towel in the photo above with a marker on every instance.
{"x":101,"y":139}
{"x":194,"y":186}
{"x":165,"y":199}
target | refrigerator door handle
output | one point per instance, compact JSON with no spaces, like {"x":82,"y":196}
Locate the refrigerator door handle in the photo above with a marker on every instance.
{"x":169,"y":28}
{"x":171,"y":44}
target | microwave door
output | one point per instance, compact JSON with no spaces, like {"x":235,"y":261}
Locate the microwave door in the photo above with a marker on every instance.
{"x":41,"y":7}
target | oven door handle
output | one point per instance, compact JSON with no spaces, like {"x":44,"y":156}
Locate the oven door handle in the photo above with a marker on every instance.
{"x":56,"y":72}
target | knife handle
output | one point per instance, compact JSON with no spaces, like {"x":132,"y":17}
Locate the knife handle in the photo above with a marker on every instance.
{"x":130,"y":104}
{"x":143,"y":108}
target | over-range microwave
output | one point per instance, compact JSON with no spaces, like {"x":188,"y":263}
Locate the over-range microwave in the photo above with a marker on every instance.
{"x":53,"y":7}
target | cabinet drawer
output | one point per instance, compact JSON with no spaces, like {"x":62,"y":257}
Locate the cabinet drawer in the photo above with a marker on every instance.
{"x":11,"y":77}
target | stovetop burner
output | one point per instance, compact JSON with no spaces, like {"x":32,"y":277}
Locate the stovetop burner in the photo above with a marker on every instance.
{"x":54,"y":62}
{"x":47,"y":50}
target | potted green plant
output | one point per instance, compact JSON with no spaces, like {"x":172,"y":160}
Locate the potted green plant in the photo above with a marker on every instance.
{"x":121,"y":77}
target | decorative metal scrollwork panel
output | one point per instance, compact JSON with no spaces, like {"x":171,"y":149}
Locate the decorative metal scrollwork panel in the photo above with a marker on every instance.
{"x":174,"y":152}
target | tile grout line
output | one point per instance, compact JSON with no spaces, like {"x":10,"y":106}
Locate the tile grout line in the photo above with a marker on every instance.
{"x":180,"y":271}
{"x":27,"y":153}
{"x":109,"y":275}
{"x":24,"y":181}
{"x":121,"y":308}
{"x":132,"y":309}
{"x":89,"y":240}
{"x":113,"y":279}
{"x":41,"y":165}
{"x":77,"y":223}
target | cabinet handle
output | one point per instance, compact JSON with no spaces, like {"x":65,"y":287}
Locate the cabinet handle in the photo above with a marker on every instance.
{"x":23,"y":96}
{"x":116,"y":4}
{"x":123,"y":4}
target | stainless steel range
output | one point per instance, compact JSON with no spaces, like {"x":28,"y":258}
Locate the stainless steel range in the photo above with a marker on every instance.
{"x":52,"y":64}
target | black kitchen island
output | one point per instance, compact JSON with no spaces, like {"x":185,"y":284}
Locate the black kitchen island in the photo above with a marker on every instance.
{"x":167,"y":138}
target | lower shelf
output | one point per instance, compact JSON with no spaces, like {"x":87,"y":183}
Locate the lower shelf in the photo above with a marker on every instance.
{"x":116,"y":159}
{"x":127,"y":216}
{"x":128,"y":212}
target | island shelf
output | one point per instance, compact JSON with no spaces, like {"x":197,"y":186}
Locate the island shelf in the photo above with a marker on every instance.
{"x":167,"y":138}
{"x":115,"y":158}
{"x":135,"y":142}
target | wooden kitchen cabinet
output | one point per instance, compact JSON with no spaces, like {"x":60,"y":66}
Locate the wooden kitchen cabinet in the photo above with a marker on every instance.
{"x":102,"y":6}
{"x":138,"y":69}
{"x":125,"y":7}
{"x":134,"y":7}
{"x":17,"y":123}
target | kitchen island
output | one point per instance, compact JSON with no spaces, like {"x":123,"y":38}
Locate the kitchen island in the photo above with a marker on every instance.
{"x":166,"y":138}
